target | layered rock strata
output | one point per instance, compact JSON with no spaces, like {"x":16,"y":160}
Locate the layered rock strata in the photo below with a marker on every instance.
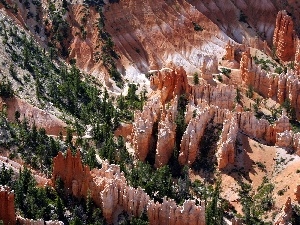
{"x":289,"y":139}
{"x":7,"y":206}
{"x":189,"y":146}
{"x":143,"y":127}
{"x":166,"y":135}
{"x":226,"y":150}
{"x":297,"y":193}
{"x":109,"y":190}
{"x":279,"y":87}
{"x":220,"y":95}
{"x":286,"y":214}
{"x":284,"y":37}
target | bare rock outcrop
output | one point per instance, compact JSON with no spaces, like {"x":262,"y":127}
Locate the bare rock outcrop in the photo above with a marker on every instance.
{"x":76,"y":177}
{"x":191,"y":138}
{"x":297,"y":58}
{"x":229,"y":52}
{"x":289,"y":139}
{"x":284,"y":37}
{"x":226,"y":150}
{"x":168,"y":213}
{"x":7,"y":206}
{"x":286,"y":214}
{"x":279,"y":87}
{"x":169,"y":82}
{"x":166,"y":135}
{"x":220,"y":95}
{"x":109,"y":190}
{"x":143,"y":127}
{"x":297,"y":193}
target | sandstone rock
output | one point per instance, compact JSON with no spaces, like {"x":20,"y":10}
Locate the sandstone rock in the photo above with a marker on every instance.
{"x":25,"y":221}
{"x":168,"y":213}
{"x":75,"y":176}
{"x":226,"y":150}
{"x":297,"y":193}
{"x":282,"y":124}
{"x":297,"y":58}
{"x":170,"y":83}
{"x":284,"y":37}
{"x":7,"y":206}
{"x":124,"y":130}
{"x":109,"y":190}
{"x":289,"y":139}
{"x":278,"y":87}
{"x":143,"y":127}
{"x":286,"y":214}
{"x":191,"y":138}
{"x":221,"y":96}
{"x":166,"y":138}
{"x":229,"y":52}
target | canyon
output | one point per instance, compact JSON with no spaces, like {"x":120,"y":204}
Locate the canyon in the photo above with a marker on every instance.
{"x":223,"y":100}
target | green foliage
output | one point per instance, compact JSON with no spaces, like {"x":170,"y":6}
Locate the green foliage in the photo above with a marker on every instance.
{"x":196,"y":78}
{"x":34,"y":146}
{"x":214,"y":213}
{"x":250,"y":91}
{"x":279,"y":70}
{"x":6,"y":90}
{"x":220,"y":78}
{"x":238,"y":96}
{"x":255,"y":206}
{"x":127,"y":104}
{"x":30,"y":200}
{"x":60,"y":29}
{"x":156,"y":183}
{"x":197,"y":27}
{"x":265,"y":64}
{"x":290,"y":110}
{"x":5,"y":175}
{"x":226,"y":72}
{"x":243,"y":17}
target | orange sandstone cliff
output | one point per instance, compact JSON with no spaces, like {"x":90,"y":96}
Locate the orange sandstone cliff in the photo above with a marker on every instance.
{"x":110,"y":191}
{"x":284,"y":37}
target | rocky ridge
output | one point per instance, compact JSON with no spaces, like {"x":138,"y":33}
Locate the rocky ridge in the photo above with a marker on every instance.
{"x":109,"y":190}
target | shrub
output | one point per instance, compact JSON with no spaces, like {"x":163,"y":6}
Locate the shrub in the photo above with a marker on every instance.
{"x":196,"y":78}
{"x":197,"y":27}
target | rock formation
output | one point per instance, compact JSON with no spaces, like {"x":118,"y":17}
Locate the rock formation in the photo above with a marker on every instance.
{"x":76,"y":177}
{"x":41,"y":118}
{"x":297,"y":58}
{"x":166,"y":135}
{"x":143,"y":127}
{"x":286,"y":214}
{"x":109,"y":190}
{"x":279,"y":87}
{"x":297,"y":193}
{"x":284,"y":37}
{"x":220,"y":95}
{"x":189,"y":146}
{"x":25,"y":221}
{"x":170,"y":83}
{"x":289,"y":139}
{"x":7,"y":206}
{"x":168,"y":213}
{"x":226,"y":151}
{"x":229,"y":52}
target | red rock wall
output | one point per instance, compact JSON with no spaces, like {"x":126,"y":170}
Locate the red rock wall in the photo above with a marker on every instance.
{"x":108,"y":188}
{"x":284,"y":37}
{"x":278,"y":87}
{"x":7,"y":206}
